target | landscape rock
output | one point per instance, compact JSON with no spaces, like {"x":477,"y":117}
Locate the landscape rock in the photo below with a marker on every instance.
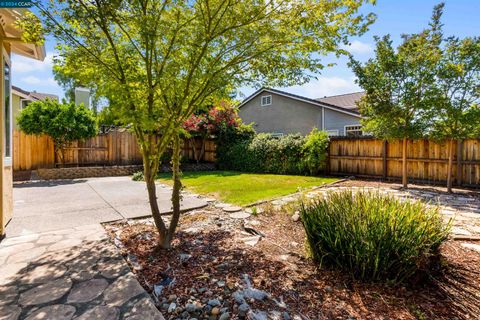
{"x":296,"y":216}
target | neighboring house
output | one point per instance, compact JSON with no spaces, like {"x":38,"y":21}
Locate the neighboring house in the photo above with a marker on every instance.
{"x":10,"y":41}
{"x":21,"y":98}
{"x":280,"y":113}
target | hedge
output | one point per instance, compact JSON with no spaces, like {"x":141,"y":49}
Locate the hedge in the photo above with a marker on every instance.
{"x":243,"y":150}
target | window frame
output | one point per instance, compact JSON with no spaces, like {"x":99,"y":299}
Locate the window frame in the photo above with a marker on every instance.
{"x":22,"y":100}
{"x":266,"y":104}
{"x":7,"y":159}
{"x":349,"y":126}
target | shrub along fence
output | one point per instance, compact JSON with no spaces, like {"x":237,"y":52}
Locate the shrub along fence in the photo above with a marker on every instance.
{"x":115,"y":148}
{"x":427,"y":160}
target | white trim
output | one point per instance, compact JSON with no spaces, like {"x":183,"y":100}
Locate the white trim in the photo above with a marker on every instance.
{"x":266,"y":104}
{"x":299,"y":99}
{"x":331,"y":131}
{"x":21,"y":102}
{"x":352,"y":125}
{"x":7,"y":161}
{"x":323,"y":118}
{"x":20,"y":94}
{"x":82,"y":89}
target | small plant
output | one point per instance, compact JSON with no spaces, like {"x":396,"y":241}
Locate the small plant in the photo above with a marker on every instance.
{"x":373,"y":236}
{"x":138,"y":176}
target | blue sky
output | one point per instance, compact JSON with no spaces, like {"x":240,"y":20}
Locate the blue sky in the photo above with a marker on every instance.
{"x":393,"y":17}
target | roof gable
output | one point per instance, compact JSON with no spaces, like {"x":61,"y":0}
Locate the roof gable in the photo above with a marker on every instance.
{"x":300,"y":98}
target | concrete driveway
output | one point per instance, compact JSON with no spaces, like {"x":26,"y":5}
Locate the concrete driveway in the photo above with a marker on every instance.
{"x":54,"y":205}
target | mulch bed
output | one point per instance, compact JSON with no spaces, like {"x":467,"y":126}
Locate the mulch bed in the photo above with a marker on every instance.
{"x":211,"y":263}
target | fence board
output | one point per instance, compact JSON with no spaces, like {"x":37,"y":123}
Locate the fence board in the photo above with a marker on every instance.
{"x":118,"y":147}
{"x":427,"y":160}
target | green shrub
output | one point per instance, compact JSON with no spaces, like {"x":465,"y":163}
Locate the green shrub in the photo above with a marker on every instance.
{"x":264,"y":153}
{"x":373,"y":236}
{"x":314,"y":151}
{"x":291,"y":154}
{"x":138,"y":176}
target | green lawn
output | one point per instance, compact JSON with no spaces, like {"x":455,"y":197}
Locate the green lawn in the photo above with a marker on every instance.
{"x":244,"y":188}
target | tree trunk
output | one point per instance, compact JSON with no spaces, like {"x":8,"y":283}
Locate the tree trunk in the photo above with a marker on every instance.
{"x":150,"y":168}
{"x":177,"y":186}
{"x":450,"y":165}
{"x":404,"y":163}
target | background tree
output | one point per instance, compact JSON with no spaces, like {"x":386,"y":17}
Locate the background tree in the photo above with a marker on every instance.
{"x":160,"y":61}
{"x":399,"y":86}
{"x":457,"y":113}
{"x":68,"y":83}
{"x":64,"y":123}
{"x":207,"y":124}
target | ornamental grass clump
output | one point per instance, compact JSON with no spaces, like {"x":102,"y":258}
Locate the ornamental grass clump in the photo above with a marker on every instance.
{"x":373,"y":236}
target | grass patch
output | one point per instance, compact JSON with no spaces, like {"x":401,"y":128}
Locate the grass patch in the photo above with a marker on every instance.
{"x":244,"y":188}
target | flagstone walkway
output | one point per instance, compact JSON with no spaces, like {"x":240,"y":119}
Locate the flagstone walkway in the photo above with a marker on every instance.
{"x":69,"y":274}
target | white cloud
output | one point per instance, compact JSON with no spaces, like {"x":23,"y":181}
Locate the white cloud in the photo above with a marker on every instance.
{"x":22,"y":64}
{"x":359,"y":47}
{"x":325,"y":86}
{"x":31,"y":80}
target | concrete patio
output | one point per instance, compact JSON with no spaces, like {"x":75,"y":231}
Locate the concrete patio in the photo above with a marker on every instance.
{"x":60,"y":204}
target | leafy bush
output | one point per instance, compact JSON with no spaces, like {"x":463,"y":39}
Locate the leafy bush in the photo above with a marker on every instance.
{"x":229,"y":138}
{"x":290,"y":154}
{"x":373,"y":236}
{"x":138,"y":176}
{"x":315,"y":151}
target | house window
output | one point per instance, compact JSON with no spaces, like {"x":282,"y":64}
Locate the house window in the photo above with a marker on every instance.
{"x":8,"y":113}
{"x":332,"y":133}
{"x":353,"y":131}
{"x":277,"y":134}
{"x":266,"y":100}
{"x":24,"y":103}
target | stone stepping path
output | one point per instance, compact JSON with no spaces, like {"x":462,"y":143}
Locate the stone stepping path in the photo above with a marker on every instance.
{"x":232,"y":209}
{"x":240,"y":215}
{"x":462,"y":208}
{"x":69,"y":274}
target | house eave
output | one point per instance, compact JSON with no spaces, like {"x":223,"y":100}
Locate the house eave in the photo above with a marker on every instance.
{"x":13,"y":35}
{"x":298,"y":98}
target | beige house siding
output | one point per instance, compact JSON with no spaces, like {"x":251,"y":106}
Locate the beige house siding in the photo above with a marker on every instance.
{"x":15,"y":109}
{"x":284,"y":115}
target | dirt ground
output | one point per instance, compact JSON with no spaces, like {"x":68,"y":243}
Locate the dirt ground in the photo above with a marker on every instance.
{"x":216,"y":261}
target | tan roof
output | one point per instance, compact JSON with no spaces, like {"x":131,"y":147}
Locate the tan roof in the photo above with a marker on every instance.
{"x":346,"y":101}
{"x":39,"y":96}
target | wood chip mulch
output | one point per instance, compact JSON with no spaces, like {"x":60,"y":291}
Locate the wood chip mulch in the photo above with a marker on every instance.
{"x":213,"y":262}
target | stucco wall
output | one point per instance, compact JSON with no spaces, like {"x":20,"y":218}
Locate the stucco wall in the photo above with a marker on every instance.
{"x":15,"y":110}
{"x":337,"y":121}
{"x":284,"y":115}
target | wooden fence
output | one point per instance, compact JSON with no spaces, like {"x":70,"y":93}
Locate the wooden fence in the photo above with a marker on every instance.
{"x":427,"y":160}
{"x":118,"y":147}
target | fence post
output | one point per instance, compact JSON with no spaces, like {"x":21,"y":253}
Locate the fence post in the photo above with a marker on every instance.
{"x":327,"y":165}
{"x":384,"y":159}
{"x":459,"y":175}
